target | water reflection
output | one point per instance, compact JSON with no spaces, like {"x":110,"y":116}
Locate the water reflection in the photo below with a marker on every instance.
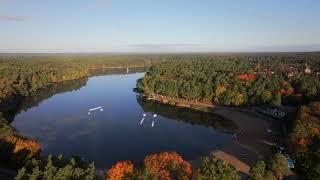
{"x":187,"y":115}
{"x":35,"y":99}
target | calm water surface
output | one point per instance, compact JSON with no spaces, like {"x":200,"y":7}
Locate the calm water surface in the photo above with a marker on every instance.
{"x":61,"y":124}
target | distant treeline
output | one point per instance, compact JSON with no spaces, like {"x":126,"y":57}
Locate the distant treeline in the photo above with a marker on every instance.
{"x":236,"y":79}
{"x":23,"y":75}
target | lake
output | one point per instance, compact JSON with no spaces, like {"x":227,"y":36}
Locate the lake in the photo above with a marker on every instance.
{"x":57,"y":117}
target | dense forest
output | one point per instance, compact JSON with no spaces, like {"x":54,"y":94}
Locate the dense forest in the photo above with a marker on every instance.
{"x":304,"y":141}
{"x":236,"y":80}
{"x":239,"y":79}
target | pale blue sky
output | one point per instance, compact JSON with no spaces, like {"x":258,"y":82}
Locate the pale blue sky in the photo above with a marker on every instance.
{"x":159,"y":25}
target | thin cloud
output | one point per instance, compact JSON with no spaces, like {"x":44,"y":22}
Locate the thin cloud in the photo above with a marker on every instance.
{"x":12,"y":18}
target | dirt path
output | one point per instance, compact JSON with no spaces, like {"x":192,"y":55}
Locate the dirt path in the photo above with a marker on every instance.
{"x":253,"y":142}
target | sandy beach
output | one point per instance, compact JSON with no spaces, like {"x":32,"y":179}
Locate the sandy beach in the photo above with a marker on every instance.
{"x":253,"y":142}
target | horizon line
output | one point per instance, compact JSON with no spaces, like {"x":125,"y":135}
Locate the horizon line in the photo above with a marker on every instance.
{"x":164,"y":52}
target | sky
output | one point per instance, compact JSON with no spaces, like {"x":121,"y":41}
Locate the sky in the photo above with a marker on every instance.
{"x":62,"y":26}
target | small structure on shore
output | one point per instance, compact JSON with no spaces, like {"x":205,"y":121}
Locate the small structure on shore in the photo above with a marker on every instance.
{"x":271,"y":111}
{"x":307,"y":69}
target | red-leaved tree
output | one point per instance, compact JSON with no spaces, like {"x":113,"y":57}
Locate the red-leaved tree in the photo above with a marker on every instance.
{"x":167,"y":166}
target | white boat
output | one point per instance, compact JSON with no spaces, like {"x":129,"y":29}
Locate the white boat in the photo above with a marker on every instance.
{"x":141,"y":121}
{"x":152,"y":123}
{"x":155,"y":115}
{"x":144,"y":115}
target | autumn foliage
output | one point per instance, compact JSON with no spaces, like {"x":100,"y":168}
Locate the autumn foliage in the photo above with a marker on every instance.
{"x":121,"y":170}
{"x":304,"y":141}
{"x":247,"y":77}
{"x":306,"y":128}
{"x":164,"y":166}
{"x":167,"y":165}
{"x":20,"y":149}
{"x":23,"y":144}
{"x":286,"y":89}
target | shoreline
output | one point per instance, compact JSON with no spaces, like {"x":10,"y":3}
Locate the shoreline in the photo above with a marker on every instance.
{"x":253,"y":142}
{"x":179,"y":102}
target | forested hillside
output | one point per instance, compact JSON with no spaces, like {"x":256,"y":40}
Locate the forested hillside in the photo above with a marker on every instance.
{"x":236,"y":80}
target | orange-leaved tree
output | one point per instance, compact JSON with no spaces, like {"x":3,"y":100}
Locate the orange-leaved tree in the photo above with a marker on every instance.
{"x":121,"y":170}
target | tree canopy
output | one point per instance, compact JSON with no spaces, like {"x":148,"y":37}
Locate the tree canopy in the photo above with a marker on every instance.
{"x":234,"y":80}
{"x":304,"y":141}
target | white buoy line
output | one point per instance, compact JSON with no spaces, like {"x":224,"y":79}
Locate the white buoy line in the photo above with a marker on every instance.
{"x":95,"y":109}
